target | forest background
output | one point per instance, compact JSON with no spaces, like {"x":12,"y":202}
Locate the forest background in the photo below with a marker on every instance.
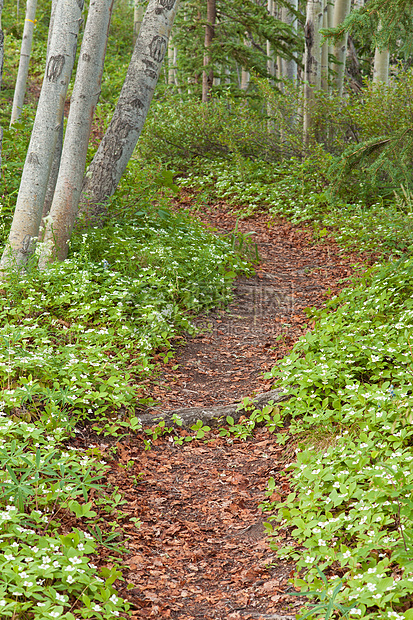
{"x":254,"y":106}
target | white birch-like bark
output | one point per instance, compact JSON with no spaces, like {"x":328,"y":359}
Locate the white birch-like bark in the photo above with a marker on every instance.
{"x":208,"y":72}
{"x":172,"y":59}
{"x":119,"y":141}
{"x":270,"y":55}
{"x":341,"y":10}
{"x":138,"y":12}
{"x":245,"y":74}
{"x":324,"y":50}
{"x":289,"y":67}
{"x":312,"y":60}
{"x":28,"y":212}
{"x":26,"y":48}
{"x":381,"y":65}
{"x":86,"y":91}
{"x":54,"y":171}
{"x":330,"y":19}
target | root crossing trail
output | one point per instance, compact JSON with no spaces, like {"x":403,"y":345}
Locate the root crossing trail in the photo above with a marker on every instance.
{"x":201,"y":551}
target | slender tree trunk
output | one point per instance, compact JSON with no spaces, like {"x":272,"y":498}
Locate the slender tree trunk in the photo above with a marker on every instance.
{"x":289,"y":67}
{"x":381,"y":65}
{"x":83,"y":102}
{"x":312,"y":60}
{"x":324,"y":51}
{"x":245,"y":74}
{"x":270,"y":56}
{"x":25,"y":51}
{"x":119,"y":141}
{"x":30,"y":200}
{"x":341,"y":10}
{"x":138,"y":12}
{"x":208,"y":73}
{"x":54,"y":171}
{"x":172,"y":61}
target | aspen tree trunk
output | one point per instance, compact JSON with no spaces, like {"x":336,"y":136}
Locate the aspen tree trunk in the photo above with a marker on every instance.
{"x":245,"y":74}
{"x":341,"y":10}
{"x":208,"y":73}
{"x":289,"y":67}
{"x":312,"y":60}
{"x":138,"y":12}
{"x":83,"y":102}
{"x":324,"y":51}
{"x":54,"y":170}
{"x":119,"y":141}
{"x":381,"y":65}
{"x":1,"y":69}
{"x":270,"y":59}
{"x":25,"y":51}
{"x":172,"y":56}
{"x":29,"y":206}
{"x":330,"y":19}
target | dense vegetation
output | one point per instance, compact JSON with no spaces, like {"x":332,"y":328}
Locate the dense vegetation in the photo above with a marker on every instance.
{"x":77,"y":340}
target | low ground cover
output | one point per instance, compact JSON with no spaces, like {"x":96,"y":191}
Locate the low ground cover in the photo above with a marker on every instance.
{"x":351,"y":509}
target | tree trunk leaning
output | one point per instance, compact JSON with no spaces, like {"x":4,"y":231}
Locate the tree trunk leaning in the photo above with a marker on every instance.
{"x":341,"y":10}
{"x":26,"y":48}
{"x":29,"y":207}
{"x":119,"y":141}
{"x":208,"y":73}
{"x":86,"y":91}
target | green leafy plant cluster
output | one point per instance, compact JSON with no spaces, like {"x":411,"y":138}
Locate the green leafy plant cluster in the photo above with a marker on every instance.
{"x":47,"y":574}
{"x":350,"y":510}
{"x":80,"y":334}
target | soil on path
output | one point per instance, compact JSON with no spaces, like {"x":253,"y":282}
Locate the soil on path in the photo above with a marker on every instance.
{"x":201,"y":551}
{"x":239,"y":343}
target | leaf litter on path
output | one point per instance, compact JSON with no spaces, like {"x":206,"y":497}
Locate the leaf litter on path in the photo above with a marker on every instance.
{"x":201,"y":551}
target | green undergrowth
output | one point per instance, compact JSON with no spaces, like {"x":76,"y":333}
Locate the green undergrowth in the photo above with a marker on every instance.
{"x":76,"y":342}
{"x":301,"y":193}
{"x":47,"y":572}
{"x":350,"y":511}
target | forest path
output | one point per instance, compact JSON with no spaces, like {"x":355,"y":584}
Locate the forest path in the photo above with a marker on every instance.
{"x":201,"y":551}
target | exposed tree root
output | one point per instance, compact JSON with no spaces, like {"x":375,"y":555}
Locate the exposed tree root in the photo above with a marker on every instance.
{"x":213,"y":416}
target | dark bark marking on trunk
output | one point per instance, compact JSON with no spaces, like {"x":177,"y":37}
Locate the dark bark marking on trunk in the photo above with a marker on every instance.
{"x":167,"y":4}
{"x":26,"y":244}
{"x":55,"y":67}
{"x":157,"y":48}
{"x":33,"y":159}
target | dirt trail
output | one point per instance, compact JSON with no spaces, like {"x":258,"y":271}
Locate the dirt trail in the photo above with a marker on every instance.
{"x":201,"y":552}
